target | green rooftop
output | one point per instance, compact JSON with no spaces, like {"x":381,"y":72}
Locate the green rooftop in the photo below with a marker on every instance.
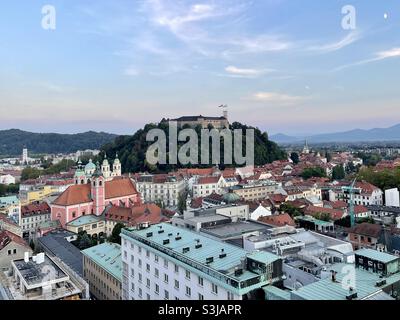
{"x":210,"y":256}
{"x":326,"y":289}
{"x":377,"y":255}
{"x":107,"y":256}
{"x":83,"y":220}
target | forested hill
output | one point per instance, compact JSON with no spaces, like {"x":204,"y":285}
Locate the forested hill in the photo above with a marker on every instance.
{"x":13,"y":141}
{"x":132,"y":149}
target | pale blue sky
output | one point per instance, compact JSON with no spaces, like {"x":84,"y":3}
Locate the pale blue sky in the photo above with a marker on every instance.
{"x":283,"y":65}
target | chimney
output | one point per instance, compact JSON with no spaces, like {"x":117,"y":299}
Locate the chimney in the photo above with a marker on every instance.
{"x":26,"y":256}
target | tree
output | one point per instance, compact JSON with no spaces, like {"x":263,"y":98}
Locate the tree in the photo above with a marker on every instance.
{"x":338,"y":173}
{"x":290,"y":209}
{"x":182,"y":201}
{"x":295,"y":157}
{"x":84,"y":241}
{"x":313,"y":172}
{"x":116,"y":233}
{"x":30,"y":173}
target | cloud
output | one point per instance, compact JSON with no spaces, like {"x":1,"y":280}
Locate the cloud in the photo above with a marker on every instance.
{"x":131,"y":71}
{"x":247,"y":73}
{"x":382,"y":55}
{"x":335,"y":46}
{"x":277,"y":98}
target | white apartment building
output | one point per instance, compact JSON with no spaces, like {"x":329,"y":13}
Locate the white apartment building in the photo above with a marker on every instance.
{"x":392,"y":198}
{"x":165,"y":262}
{"x":160,"y":188}
{"x":208,"y":185}
{"x":366,"y":194}
{"x":7,"y":179}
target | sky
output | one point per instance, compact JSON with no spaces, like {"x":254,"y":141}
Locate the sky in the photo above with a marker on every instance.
{"x":282,"y":65}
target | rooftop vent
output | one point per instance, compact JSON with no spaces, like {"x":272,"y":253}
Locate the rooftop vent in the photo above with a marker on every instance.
{"x":169,"y":234}
{"x":161,"y":231}
{"x":198,"y":246}
{"x":166,"y":241}
{"x":381,"y":283}
{"x":209,"y":260}
{"x":238,"y":272}
{"x":222,"y":254}
{"x":185,"y":250}
{"x":178,"y":237}
{"x":149,"y":234}
{"x":352,"y":294}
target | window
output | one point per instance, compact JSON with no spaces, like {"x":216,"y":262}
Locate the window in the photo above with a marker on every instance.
{"x":156,"y":258}
{"x":166,"y":263}
{"x":140,"y":249}
{"x":148,"y":283}
{"x":165,"y":278}
{"x":147,"y":253}
{"x":200,"y":281}
{"x":147,"y":267}
{"x":9,"y":252}
{"x":15,"y":251}
{"x":201,"y":297}
{"x":188,"y":291}
{"x":132,"y":286}
{"x":140,"y":263}
{"x":132,"y":258}
{"x":157,"y":289}
{"x":214,"y":289}
{"x":140,"y":277}
{"x":230,"y":296}
{"x":166,"y":294}
{"x":176,"y":269}
{"x":148,"y":296}
{"x":156,"y":273}
{"x":140,"y":292}
{"x":176,"y":284}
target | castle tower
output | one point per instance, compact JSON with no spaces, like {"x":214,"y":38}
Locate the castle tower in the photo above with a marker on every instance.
{"x":98,"y":191}
{"x":117,"y":167}
{"x":105,"y":168}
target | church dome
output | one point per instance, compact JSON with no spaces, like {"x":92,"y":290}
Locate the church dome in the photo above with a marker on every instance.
{"x":79,"y":173}
{"x":90,"y":166}
{"x":230,"y":197}
{"x":116,"y":161}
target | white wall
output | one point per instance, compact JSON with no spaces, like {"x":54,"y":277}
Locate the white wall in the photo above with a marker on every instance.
{"x":392,"y":198}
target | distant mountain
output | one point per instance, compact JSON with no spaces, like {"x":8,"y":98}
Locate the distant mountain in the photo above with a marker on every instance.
{"x":13,"y":141}
{"x":283,"y":138}
{"x":356,"y":135}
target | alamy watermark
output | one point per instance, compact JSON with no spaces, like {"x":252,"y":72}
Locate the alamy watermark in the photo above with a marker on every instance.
{"x":49,"y":18}
{"x":189,"y":152}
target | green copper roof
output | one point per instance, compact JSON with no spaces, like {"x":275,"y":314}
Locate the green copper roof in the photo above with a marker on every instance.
{"x":9,"y":200}
{"x":107,"y":256}
{"x":376,"y":255}
{"x":84,"y":220}
{"x":182,"y":248}
{"x":326,"y":289}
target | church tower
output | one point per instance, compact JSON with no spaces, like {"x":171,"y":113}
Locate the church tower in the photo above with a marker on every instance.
{"x":105,"y":168}
{"x":117,"y":167}
{"x":98,"y":191}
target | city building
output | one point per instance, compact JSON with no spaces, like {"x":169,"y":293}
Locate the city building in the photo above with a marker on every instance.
{"x":92,"y":198}
{"x":57,"y":244}
{"x":7,"y":179}
{"x":11,"y":207}
{"x":91,"y":224}
{"x":102,"y":268}
{"x":12,"y":247}
{"x":392,"y":198}
{"x":306,"y":254}
{"x":255,"y":191}
{"x":365,"y":235}
{"x":164,"y":262}
{"x":163,"y":189}
{"x":43,"y":278}
{"x":375,"y":276}
{"x":206,"y":186}
{"x":366,"y":194}
{"x":203,"y":121}
{"x":32,"y":215}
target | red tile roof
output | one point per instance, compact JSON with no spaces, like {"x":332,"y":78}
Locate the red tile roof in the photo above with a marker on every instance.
{"x":132,"y":216}
{"x":208,"y":180}
{"x":35,"y":208}
{"x":333,"y":213}
{"x":367,"y":229}
{"x":77,"y":194}
{"x":7,"y":237}
{"x":278,"y":220}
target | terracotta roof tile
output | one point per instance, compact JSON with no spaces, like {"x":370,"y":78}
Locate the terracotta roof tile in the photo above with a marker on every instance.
{"x":278,"y":220}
